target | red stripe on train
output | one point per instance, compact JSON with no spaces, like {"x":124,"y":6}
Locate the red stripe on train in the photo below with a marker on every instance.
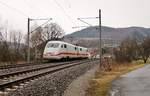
{"x":66,"y":53}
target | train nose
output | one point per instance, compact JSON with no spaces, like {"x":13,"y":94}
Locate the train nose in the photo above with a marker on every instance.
{"x":50,"y":54}
{"x":55,"y":53}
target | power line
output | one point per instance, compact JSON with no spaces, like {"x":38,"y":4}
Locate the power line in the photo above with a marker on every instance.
{"x":41,"y":24}
{"x":27,"y":4}
{"x":79,"y":26}
{"x":89,"y":18}
{"x":70,"y":19}
{"x":12,"y":8}
{"x":42,"y":19}
{"x":33,"y":7}
{"x":69,"y":4}
{"x":85,"y":22}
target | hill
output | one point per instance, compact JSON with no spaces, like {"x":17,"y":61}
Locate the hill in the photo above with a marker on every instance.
{"x":110,"y":34}
{"x":114,"y":33}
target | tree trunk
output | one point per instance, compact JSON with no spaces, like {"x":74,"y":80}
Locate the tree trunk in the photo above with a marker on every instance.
{"x":145,"y":60}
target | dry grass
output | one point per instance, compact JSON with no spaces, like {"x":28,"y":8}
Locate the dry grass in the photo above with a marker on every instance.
{"x":102,"y":81}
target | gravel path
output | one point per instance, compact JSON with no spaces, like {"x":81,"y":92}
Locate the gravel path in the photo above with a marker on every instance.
{"x":79,"y":86}
{"x":135,"y":83}
{"x":53,"y":84}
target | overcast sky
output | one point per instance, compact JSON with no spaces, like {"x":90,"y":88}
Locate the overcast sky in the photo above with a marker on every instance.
{"x":115,"y":13}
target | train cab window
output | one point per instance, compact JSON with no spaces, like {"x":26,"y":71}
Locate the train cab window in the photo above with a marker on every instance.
{"x":52,"y":45}
{"x":65,"y":46}
{"x":56,"y":45}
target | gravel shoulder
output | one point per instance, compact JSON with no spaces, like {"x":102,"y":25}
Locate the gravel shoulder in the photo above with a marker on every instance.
{"x":135,"y":83}
{"x":79,"y":86}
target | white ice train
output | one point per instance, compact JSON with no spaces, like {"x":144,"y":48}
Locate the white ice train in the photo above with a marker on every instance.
{"x":62,"y":50}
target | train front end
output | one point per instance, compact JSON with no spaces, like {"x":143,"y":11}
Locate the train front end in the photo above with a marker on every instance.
{"x":51,"y":51}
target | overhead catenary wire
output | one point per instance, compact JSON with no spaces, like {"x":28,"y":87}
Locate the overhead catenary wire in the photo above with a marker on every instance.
{"x":89,"y":18}
{"x":82,"y":20}
{"x":22,"y":13}
{"x":85,"y":22}
{"x":67,"y":1}
{"x":69,"y":18}
{"x":41,"y":24}
{"x":33,"y":7}
{"x":79,"y":26}
{"x":28,"y":4}
{"x":14,"y":9}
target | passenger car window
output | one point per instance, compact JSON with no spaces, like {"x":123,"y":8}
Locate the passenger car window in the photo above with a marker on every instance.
{"x":65,"y":46}
{"x":61,"y":46}
{"x":80,"y":49}
{"x":75,"y":48}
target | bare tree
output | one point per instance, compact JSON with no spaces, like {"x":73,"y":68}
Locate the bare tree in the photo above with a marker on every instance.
{"x":145,"y":49}
{"x":52,"y":32}
{"x":10,"y":44}
{"x":17,"y":37}
{"x":5,"y":53}
{"x":10,"y":47}
{"x":42,"y":35}
{"x":128,"y":50}
{"x":36,"y":42}
{"x":36,"y":37}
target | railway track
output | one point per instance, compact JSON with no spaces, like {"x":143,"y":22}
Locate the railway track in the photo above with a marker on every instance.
{"x":17,"y":65}
{"x":31,"y":68}
{"x":22,"y":65}
{"x":14,"y":79}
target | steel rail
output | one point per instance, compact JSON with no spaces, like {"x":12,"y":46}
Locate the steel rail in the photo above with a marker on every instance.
{"x":9,"y":84}
{"x":23,"y":65}
{"x":6,"y":75}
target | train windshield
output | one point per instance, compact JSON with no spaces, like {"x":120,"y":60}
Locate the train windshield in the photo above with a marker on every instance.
{"x":52,"y":45}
